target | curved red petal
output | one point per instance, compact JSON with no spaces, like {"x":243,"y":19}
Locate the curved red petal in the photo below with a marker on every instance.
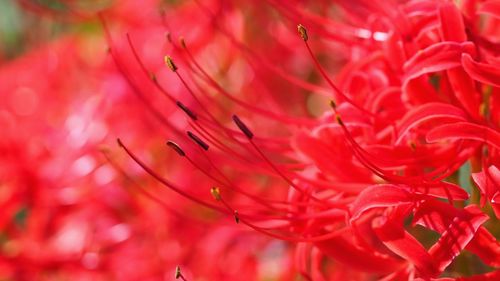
{"x":437,"y":57}
{"x":482,"y":72}
{"x":437,"y":216}
{"x":460,"y":232}
{"x":466,"y":131}
{"x":427,"y":112}
{"x":382,"y":195}
{"x":406,"y":246}
{"x":343,"y":251}
{"x":452,"y":24}
{"x":490,"y":7}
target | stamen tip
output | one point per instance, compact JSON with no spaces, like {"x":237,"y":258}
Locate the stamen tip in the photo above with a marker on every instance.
{"x":236,"y":216}
{"x":333,"y":104}
{"x":119,"y":141}
{"x":215,"y":193}
{"x":198,"y":141}
{"x":176,"y":147}
{"x":413,"y":145}
{"x":177,"y":272}
{"x":170,"y":63}
{"x":242,"y":127}
{"x":339,"y":120}
{"x":182,"y":42}
{"x":152,"y":76}
{"x":188,"y":111}
{"x":302,"y":32}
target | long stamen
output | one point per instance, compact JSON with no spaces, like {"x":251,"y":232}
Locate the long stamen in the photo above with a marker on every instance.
{"x":233,"y":187}
{"x":249,"y":135}
{"x":165,"y":182}
{"x":305,"y":37}
{"x":148,"y":73}
{"x":228,"y":183}
{"x":361,"y":154}
{"x":169,"y":62}
{"x":201,"y":130}
{"x":241,"y":218}
{"x":349,"y":35}
{"x":217,"y":143}
{"x":144,"y":191}
{"x":265,"y":113}
{"x":135,"y":89}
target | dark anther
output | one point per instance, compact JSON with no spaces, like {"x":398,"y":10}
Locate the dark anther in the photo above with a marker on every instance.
{"x":188,"y":111}
{"x":197,"y":140}
{"x":242,"y":127}
{"x":176,"y":147}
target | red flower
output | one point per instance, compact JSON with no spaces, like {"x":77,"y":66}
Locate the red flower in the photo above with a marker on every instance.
{"x":235,"y":119}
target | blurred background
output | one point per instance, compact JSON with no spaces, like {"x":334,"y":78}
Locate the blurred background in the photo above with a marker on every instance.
{"x":73,"y":205}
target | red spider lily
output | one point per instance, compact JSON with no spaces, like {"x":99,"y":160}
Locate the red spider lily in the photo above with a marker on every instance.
{"x":445,"y":125}
{"x":414,"y":174}
{"x":366,"y":191}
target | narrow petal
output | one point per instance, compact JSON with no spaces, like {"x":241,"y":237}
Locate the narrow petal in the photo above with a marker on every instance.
{"x":460,"y":232}
{"x":302,"y":250}
{"x":453,"y":29}
{"x":465,"y":130}
{"x":486,"y":247}
{"x":464,"y":89}
{"x":376,"y":196}
{"x":405,"y":246}
{"x":343,"y":251}
{"x":482,"y":72}
{"x":488,"y":183}
{"x":490,"y":7}
{"x":427,"y":112}
{"x":418,"y":8}
{"x":437,"y":216}
{"x":438,"y":57}
{"x":418,"y":90}
{"x":316,"y":265}
{"x":452,"y":24}
{"x":443,"y":190}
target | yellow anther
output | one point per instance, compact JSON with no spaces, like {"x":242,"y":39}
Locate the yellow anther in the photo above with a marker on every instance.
{"x":170,"y":63}
{"x":215,"y":193}
{"x":303,"y":32}
{"x":177,"y":272}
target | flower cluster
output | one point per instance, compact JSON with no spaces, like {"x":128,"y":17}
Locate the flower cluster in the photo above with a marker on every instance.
{"x":344,"y":140}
